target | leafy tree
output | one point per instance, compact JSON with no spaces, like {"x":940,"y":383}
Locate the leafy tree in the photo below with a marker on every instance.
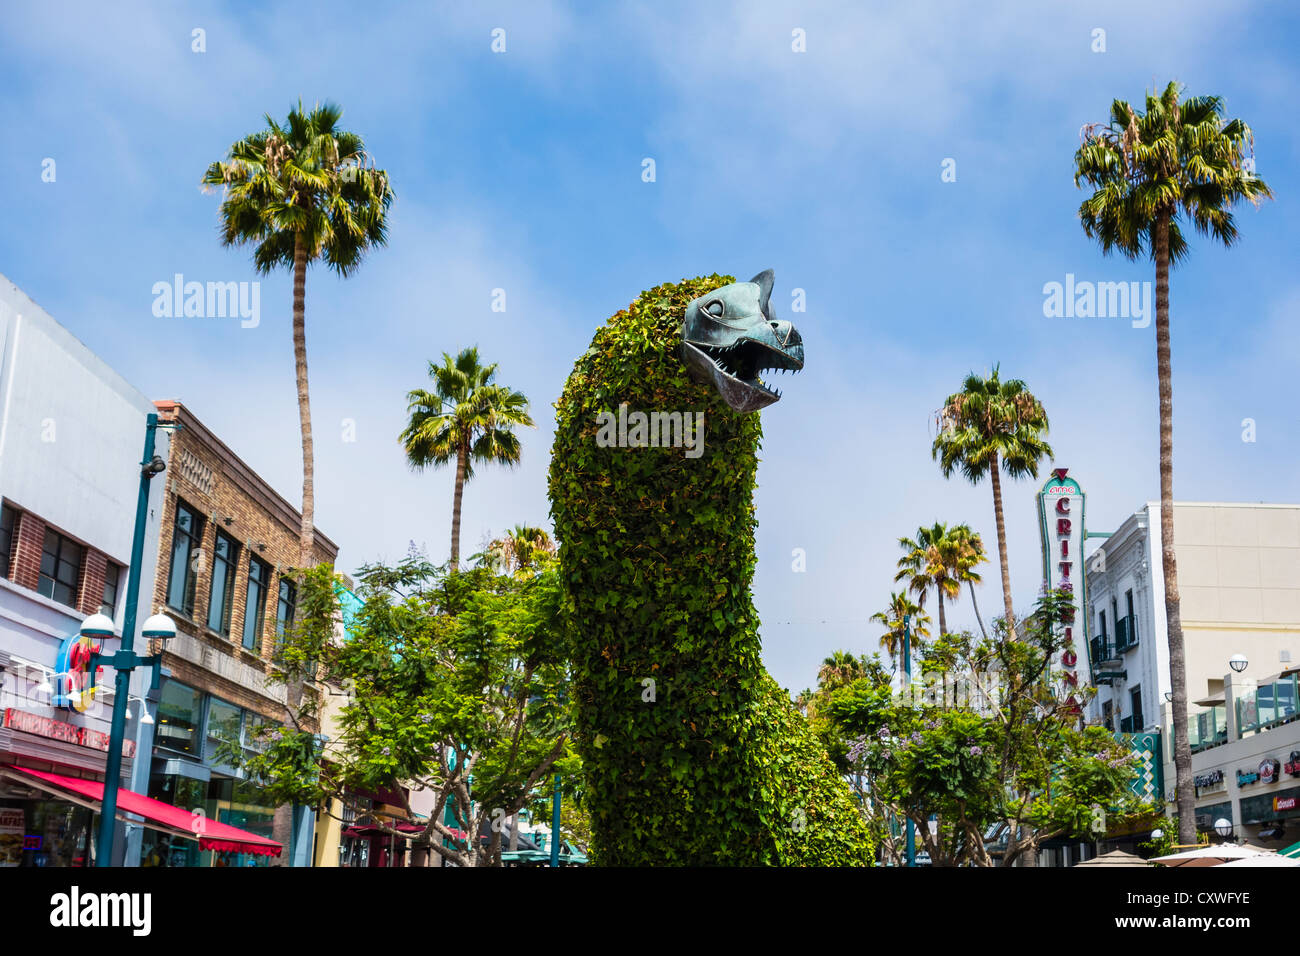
{"x":1152,"y":171}
{"x":466,"y":418}
{"x":1000,"y":764}
{"x":303,"y":191}
{"x":988,"y":427}
{"x":458,"y":686}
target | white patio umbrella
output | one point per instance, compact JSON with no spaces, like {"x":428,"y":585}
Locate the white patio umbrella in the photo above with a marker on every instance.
{"x":1263,"y":859}
{"x":1114,"y":858}
{"x":1211,"y":855}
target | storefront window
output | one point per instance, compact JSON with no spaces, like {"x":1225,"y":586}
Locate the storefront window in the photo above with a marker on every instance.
{"x":254,"y":725}
{"x":1277,"y":805}
{"x":223,"y":726}
{"x":1207,"y":816}
{"x":179,"y":716}
{"x":46,"y":833}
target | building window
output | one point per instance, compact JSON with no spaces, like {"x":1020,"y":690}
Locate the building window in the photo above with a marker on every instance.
{"x":8,"y":518}
{"x":112,"y":576}
{"x":223,"y":726}
{"x":255,"y":726}
{"x":1108,"y":715}
{"x":180,"y":712}
{"x":1101,"y":625}
{"x":60,"y":565}
{"x":284,"y":609}
{"x":223,"y":584}
{"x":259,"y":577}
{"x":186,"y":538}
{"x":1135,"y":698}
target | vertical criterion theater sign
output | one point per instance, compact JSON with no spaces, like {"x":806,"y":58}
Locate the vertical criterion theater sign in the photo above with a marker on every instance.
{"x":1060,"y":523}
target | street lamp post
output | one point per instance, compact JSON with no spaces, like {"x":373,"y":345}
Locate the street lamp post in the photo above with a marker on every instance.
{"x":555,"y":824}
{"x":126,"y":660}
{"x":907,"y":682}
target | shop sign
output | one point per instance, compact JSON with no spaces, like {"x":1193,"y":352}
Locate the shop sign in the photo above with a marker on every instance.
{"x":1060,"y":523}
{"x":60,"y":730}
{"x":1292,"y":766}
{"x":1244,"y":778}
{"x":1207,"y":779}
{"x":1285,"y":803}
{"x":74,"y":680}
{"x":1269,"y":770}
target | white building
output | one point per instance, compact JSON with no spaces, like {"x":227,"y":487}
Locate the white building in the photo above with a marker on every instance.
{"x":72,"y":432}
{"x":1239,"y":584}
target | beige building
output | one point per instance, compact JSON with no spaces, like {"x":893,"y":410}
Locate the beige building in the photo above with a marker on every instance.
{"x":1239,"y":583}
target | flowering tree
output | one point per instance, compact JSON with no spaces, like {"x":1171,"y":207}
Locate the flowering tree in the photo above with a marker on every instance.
{"x":993,"y":763}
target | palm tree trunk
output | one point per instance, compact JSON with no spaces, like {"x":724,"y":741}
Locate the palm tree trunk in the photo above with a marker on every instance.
{"x":970,"y":585}
{"x":282,"y":820}
{"x":462,"y":456}
{"x":1177,"y":654}
{"x":306,"y":537}
{"x":943,"y":620}
{"x":1002,"y":549}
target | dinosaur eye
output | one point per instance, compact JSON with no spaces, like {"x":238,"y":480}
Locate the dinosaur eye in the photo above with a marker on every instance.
{"x":715,"y":308}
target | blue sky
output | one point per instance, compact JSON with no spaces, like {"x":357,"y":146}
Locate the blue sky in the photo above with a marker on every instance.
{"x":522,"y":171}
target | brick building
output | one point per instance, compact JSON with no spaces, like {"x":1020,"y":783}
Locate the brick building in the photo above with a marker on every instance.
{"x":227,"y":540}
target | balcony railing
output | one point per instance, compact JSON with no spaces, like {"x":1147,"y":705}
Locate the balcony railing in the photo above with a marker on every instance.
{"x":1103,"y":651}
{"x":1268,"y":705}
{"x":1207,"y":729}
{"x":1126,"y":635}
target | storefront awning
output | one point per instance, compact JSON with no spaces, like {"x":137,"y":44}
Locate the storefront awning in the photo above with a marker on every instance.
{"x":211,"y":834}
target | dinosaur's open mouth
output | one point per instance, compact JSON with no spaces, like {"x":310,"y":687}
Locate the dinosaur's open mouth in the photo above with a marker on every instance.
{"x":737,"y":370}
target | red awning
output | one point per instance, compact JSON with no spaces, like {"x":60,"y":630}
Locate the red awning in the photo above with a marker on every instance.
{"x":211,"y":834}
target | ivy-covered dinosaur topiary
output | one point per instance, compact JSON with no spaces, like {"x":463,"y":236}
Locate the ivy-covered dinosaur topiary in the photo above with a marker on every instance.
{"x":692,"y":753}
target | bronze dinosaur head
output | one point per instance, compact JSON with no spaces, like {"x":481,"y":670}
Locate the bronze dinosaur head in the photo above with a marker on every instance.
{"x":730,"y":337}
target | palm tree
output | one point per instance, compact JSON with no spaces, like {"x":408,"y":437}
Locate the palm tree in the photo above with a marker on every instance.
{"x":965,"y":552}
{"x":839,"y":670}
{"x":519,"y":550}
{"x":992,"y":426}
{"x":1153,"y":171}
{"x":900,"y":607}
{"x":466,"y":418}
{"x":303,"y":192}
{"x":929,"y":562}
